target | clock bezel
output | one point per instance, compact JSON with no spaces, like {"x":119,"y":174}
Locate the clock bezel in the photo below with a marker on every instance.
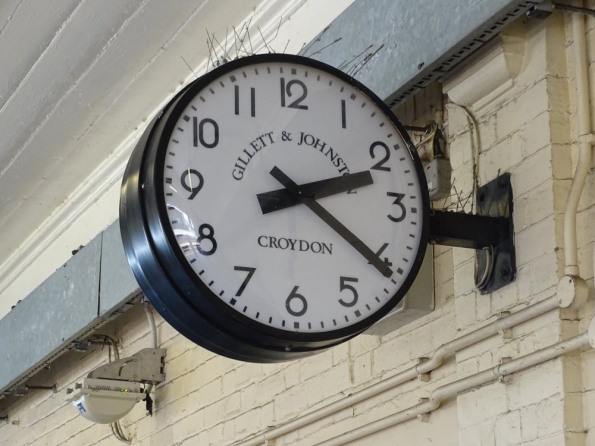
{"x":266,"y":342}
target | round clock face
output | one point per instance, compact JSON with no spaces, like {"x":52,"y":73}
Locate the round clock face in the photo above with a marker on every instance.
{"x":287,"y":207}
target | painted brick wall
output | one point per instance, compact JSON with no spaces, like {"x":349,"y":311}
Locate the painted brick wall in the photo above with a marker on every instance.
{"x":529,"y":130}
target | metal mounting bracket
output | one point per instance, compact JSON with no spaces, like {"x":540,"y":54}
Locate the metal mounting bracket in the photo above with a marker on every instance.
{"x":490,"y":232}
{"x":144,"y":366}
{"x":23,"y":389}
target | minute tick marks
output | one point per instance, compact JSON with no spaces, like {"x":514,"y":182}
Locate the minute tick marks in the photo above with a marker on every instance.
{"x":359,"y":260}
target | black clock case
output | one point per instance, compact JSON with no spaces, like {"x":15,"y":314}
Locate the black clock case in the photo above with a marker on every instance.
{"x":167,"y":279}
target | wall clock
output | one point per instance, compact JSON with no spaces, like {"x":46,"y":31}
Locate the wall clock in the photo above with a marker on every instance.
{"x":275,"y":208}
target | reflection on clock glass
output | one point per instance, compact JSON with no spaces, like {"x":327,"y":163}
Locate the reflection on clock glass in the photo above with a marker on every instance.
{"x":292,"y":197}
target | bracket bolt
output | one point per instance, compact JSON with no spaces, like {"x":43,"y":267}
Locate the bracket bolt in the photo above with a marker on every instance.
{"x":423,"y":377}
{"x":424,"y":418}
{"x":78,"y":386}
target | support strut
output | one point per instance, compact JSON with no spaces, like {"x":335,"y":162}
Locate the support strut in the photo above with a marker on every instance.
{"x":490,"y":232}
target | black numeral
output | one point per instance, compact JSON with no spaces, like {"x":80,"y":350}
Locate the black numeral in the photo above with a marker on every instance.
{"x":379,"y":253}
{"x":189,"y":184}
{"x":286,"y":89}
{"x":292,"y":297}
{"x":398,"y":203}
{"x":199,"y":132}
{"x":250,"y":272}
{"x":252,"y":101}
{"x":343,"y":285}
{"x":210,"y":236}
{"x":380,"y":164}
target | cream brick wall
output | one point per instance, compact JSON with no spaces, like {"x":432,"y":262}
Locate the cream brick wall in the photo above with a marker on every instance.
{"x":210,"y":400}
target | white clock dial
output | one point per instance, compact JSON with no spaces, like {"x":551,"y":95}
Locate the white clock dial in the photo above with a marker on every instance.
{"x":293,"y":197}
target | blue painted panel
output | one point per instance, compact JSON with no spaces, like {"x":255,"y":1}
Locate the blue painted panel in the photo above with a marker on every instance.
{"x":117,"y":281}
{"x":410,"y":43}
{"x":54,"y":313}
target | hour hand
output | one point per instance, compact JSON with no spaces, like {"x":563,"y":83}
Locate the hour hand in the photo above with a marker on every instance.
{"x":282,"y":198}
{"x":334,"y":224}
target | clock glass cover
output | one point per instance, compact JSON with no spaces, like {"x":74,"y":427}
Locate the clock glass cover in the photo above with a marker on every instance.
{"x":282,"y":204}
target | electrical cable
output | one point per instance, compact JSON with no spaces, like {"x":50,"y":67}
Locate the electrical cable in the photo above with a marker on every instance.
{"x":113,"y":344}
{"x":116,"y":428}
{"x":475,"y":148}
{"x":430,"y":131}
{"x":153,"y":328}
{"x":476,"y":151}
{"x":434,"y":136}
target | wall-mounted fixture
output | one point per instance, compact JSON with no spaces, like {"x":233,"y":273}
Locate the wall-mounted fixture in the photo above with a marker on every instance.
{"x":298,"y":240}
{"x":112,"y":390}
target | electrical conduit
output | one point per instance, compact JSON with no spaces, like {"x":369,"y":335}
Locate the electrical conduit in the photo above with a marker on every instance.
{"x":412,"y":373}
{"x":585,"y":141}
{"x":465,"y":384}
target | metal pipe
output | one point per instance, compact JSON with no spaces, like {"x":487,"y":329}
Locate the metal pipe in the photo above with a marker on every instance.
{"x":571,"y":8}
{"x":585,"y":140}
{"x":153,"y":329}
{"x":462,"y":385}
{"x":433,"y":363}
{"x":151,"y":321}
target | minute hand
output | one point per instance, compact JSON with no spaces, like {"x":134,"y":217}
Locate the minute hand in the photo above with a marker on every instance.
{"x":281,"y":199}
{"x":335,"y":224}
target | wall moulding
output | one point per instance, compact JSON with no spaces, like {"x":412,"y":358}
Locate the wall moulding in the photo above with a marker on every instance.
{"x":485,"y":79}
